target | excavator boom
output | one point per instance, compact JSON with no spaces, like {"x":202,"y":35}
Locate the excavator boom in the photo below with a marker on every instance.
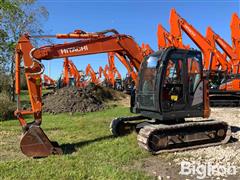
{"x":235,"y":33}
{"x":234,"y":60}
{"x":178,"y":24}
{"x":125,"y":45}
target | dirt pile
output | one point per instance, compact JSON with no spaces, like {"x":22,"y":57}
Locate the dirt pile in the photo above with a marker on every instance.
{"x":72,"y":99}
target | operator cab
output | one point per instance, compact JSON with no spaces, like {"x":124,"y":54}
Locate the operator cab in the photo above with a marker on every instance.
{"x":170,"y":85}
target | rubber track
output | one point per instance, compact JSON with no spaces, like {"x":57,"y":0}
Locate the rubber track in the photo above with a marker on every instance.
{"x":145,"y":133}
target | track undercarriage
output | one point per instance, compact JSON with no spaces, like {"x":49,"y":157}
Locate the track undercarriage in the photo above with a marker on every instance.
{"x":220,"y":99}
{"x":157,"y":137}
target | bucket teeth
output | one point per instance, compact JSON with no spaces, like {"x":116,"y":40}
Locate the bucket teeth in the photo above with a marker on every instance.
{"x":35,"y":143}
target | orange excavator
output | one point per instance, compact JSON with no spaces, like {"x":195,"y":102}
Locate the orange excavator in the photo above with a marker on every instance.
{"x":34,"y":142}
{"x":225,"y":89}
{"x":71,"y":74}
{"x":233,"y":81}
{"x":103,"y":72}
{"x":231,"y":53}
{"x":106,"y":81}
{"x":90,"y":72}
{"x":147,"y":49}
{"x":48,"y":82}
{"x":209,"y":53}
{"x":162,"y":101}
{"x":113,"y":73}
{"x":165,"y":39}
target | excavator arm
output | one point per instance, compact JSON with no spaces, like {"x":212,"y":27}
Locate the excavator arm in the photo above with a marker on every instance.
{"x":147,"y":50}
{"x":69,"y":69}
{"x":100,"y":71}
{"x":223,"y":44}
{"x":106,"y":72}
{"x":112,"y":68}
{"x":34,"y":142}
{"x":178,"y":24}
{"x":129,"y":53}
{"x":48,"y":82}
{"x":224,"y":85}
{"x":75,"y":73}
{"x":118,"y":75}
{"x":235,"y":33}
{"x":65,"y":79}
{"x":165,"y":39}
{"x":90,"y":72}
{"x":234,"y":60}
{"x":103,"y":72}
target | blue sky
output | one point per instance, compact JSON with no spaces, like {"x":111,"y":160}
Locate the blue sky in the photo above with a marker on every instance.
{"x":136,"y":18}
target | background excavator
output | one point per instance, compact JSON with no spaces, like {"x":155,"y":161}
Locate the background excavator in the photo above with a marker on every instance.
{"x":224,"y":85}
{"x":90,"y":72}
{"x":232,"y":82}
{"x":71,"y":75}
{"x":103,"y":72}
{"x":162,"y":99}
{"x":235,"y":33}
{"x":165,"y":39}
{"x":114,"y":76}
{"x":48,"y":82}
{"x":229,"y":51}
{"x":107,"y":82}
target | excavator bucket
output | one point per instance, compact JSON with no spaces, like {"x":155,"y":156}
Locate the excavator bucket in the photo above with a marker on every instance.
{"x":35,"y":143}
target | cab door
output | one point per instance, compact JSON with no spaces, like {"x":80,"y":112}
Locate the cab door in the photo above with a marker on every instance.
{"x":147,"y":93}
{"x":174,"y":88}
{"x":195,"y":81}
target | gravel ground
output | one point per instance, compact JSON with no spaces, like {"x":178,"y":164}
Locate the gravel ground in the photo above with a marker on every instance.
{"x":224,"y":153}
{"x":168,"y":165}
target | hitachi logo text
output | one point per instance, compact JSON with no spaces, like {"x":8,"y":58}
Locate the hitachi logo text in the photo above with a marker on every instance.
{"x":73,"y":49}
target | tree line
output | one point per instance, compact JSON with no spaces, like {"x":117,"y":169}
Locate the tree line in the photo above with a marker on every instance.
{"x":16,"y":17}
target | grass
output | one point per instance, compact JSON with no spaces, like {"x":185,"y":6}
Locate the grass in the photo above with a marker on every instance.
{"x":90,"y":152}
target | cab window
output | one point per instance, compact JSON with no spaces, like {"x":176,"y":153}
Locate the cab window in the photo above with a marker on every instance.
{"x":149,"y":74}
{"x":194,"y":73}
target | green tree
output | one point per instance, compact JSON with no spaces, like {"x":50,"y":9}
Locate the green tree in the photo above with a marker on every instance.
{"x":17,"y":17}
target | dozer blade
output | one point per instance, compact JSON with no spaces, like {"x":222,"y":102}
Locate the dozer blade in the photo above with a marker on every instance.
{"x":185,"y":136}
{"x":35,"y":143}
